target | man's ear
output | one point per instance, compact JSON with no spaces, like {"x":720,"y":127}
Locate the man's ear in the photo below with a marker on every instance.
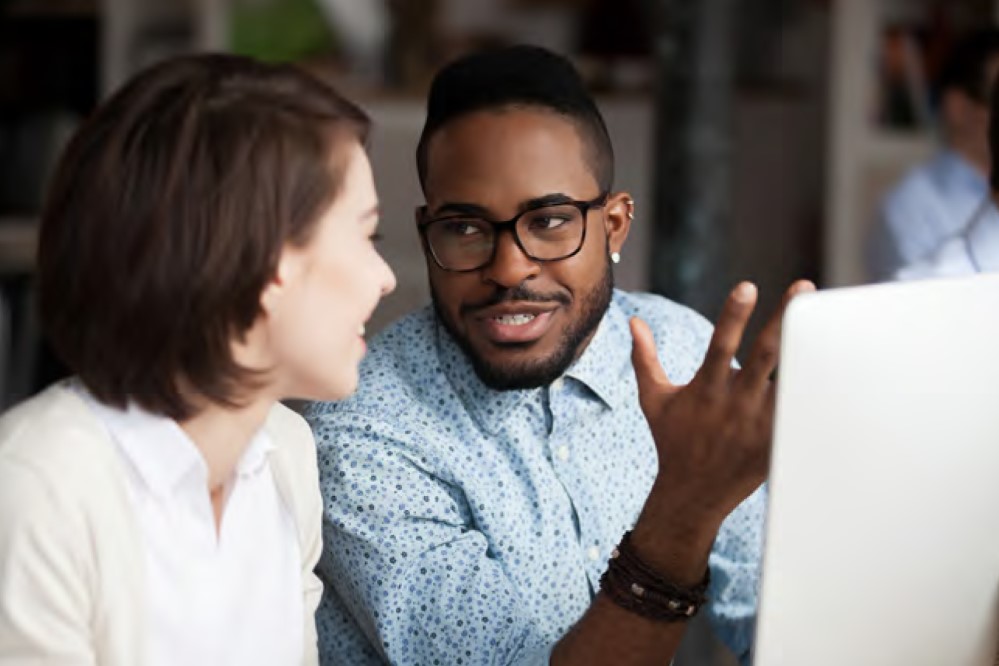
{"x":620,"y":211}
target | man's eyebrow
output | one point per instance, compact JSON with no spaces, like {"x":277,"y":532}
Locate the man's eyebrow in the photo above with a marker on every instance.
{"x":465,"y":208}
{"x":460,"y":208}
{"x":547,"y":200}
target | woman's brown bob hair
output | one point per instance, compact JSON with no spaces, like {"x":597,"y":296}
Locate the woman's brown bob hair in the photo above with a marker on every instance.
{"x":166,"y":218}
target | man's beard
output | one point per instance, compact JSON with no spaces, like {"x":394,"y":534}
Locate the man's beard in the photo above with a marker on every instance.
{"x":537,"y":372}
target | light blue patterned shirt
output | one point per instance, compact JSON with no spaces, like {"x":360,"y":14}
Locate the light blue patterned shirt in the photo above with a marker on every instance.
{"x":471,"y":526}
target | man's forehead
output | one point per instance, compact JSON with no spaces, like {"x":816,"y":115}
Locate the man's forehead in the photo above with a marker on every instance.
{"x":523,"y":153}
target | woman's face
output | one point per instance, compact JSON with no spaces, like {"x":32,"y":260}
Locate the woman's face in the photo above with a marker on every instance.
{"x":325,"y":292}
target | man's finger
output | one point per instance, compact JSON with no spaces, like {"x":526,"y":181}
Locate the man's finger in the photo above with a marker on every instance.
{"x":652,"y":378}
{"x":766,"y":350}
{"x":727,"y":336}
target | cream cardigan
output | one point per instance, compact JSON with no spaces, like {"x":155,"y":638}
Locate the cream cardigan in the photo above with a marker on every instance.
{"x":71,"y":572}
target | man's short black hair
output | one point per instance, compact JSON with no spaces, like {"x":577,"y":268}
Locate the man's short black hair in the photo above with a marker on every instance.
{"x":966,"y":68}
{"x":518,"y":76}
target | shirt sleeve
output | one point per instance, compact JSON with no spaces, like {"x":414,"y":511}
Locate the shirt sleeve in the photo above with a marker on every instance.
{"x":403,"y":556}
{"x":44,"y":600}
{"x":735,"y":575}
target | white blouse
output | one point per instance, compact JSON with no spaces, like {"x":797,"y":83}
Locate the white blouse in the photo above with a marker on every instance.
{"x":232,"y":596}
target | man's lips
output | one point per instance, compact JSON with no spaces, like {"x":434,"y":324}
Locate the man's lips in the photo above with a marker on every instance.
{"x":508,"y":308}
{"x":513,"y":323}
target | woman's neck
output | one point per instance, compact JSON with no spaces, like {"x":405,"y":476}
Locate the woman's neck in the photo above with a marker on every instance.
{"x":222,"y":435}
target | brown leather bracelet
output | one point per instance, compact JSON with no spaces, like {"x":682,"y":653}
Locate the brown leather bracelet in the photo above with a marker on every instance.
{"x":633,"y":585}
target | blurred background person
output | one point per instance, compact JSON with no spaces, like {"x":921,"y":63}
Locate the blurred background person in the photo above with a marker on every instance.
{"x":975,"y":249}
{"x":938,"y":198}
{"x":206,"y":250}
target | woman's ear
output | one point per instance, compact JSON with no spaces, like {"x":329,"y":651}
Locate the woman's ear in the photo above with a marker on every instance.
{"x":290,"y":265}
{"x":620,"y":211}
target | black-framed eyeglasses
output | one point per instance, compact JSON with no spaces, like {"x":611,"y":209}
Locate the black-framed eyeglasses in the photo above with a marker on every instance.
{"x":464,"y":242}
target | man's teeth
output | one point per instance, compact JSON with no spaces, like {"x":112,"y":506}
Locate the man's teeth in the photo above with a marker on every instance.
{"x":516,"y":319}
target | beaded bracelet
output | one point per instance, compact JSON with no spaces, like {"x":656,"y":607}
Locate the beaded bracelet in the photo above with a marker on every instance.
{"x":633,"y":585}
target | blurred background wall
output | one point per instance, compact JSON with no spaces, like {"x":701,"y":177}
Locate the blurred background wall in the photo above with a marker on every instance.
{"x":757,"y":136}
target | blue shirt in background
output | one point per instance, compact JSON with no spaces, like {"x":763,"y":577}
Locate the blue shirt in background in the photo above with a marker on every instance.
{"x":466,"y":525}
{"x":974,"y":250}
{"x":931,"y":204}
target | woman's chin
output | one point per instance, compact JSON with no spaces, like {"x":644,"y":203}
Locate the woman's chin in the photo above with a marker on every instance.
{"x":328,"y":389}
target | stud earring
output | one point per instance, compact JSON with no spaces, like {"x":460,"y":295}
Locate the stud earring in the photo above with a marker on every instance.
{"x":631,"y":208}
{"x":615,"y":257}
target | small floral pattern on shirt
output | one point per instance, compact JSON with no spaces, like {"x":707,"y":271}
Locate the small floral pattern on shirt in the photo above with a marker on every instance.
{"x":470,"y":526}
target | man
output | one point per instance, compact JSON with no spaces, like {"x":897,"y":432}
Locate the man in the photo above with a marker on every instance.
{"x":937,"y":199}
{"x":481,"y":481}
{"x":975,"y":249}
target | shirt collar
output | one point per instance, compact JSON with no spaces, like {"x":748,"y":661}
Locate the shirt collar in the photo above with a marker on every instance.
{"x":255,"y":457}
{"x":598,"y":368}
{"x":609,"y":353}
{"x":982,"y":238}
{"x":162,"y":454}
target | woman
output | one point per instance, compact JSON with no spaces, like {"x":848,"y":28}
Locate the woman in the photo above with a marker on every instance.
{"x":205,"y":251}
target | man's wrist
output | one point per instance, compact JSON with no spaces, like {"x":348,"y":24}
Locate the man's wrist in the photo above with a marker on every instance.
{"x":674,"y":543}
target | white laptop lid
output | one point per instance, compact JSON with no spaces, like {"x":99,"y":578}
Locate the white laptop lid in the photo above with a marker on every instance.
{"x":882,"y":541}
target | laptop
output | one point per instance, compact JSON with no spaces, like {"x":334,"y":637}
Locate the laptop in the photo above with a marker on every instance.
{"x":882,"y":537}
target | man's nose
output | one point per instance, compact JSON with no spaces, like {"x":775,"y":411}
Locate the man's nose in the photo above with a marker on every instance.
{"x":510,"y":266}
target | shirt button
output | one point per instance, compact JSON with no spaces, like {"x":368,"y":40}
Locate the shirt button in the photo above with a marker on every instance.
{"x":593,"y":553}
{"x":562,"y":452}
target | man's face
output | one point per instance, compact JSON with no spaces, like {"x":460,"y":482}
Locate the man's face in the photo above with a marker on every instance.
{"x":966,"y":117}
{"x":521,"y":321}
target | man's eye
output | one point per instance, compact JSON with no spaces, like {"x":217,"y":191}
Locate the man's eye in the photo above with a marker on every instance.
{"x":459,"y":228}
{"x":548,"y":222}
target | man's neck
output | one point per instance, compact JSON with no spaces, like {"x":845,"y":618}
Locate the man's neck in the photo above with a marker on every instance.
{"x":976,"y":156}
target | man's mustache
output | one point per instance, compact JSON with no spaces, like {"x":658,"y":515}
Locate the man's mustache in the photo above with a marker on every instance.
{"x":518,"y":294}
